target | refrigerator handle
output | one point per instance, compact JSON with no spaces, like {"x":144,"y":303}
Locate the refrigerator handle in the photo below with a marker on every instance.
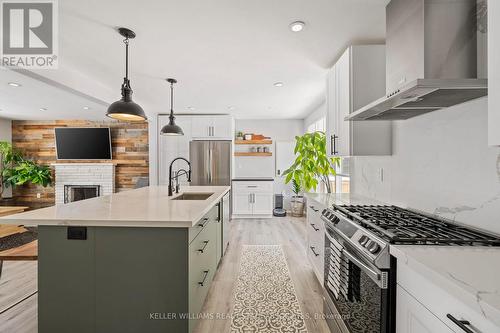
{"x":210,"y":165}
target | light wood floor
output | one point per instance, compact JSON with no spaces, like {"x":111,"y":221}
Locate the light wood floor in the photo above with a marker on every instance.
{"x":19,"y":279}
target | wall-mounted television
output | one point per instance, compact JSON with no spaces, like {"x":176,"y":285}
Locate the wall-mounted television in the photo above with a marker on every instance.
{"x":83,"y":143}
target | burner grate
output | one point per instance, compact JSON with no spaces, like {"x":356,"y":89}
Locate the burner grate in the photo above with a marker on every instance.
{"x":404,"y":226}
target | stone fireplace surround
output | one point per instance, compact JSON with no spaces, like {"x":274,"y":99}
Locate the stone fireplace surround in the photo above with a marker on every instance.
{"x":98,"y":174}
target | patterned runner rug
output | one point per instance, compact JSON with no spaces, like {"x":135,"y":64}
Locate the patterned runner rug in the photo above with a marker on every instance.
{"x":265,"y":299}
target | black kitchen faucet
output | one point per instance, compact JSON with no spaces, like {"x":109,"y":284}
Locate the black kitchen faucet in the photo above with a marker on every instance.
{"x":177,"y":175}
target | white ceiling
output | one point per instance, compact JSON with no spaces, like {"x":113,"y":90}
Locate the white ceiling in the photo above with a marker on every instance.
{"x":223,"y":53}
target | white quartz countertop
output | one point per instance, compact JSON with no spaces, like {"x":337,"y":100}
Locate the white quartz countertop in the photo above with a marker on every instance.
{"x":470,"y":274}
{"x":145,"y":207}
{"x":328,"y":199}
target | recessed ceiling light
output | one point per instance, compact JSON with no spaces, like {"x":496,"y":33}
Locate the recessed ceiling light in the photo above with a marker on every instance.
{"x":14,"y":84}
{"x":231,"y":107}
{"x":86,"y":107}
{"x":297,"y":26}
{"x":278,"y":84}
{"x":191,"y":108}
{"x":43,"y":109}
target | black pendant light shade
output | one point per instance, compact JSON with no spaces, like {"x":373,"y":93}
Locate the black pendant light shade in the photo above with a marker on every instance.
{"x":171,"y":128}
{"x":125,"y":109}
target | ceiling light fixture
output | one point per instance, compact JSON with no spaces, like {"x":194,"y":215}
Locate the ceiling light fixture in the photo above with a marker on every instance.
{"x":171,"y":128}
{"x":297,"y":26}
{"x":86,"y":107}
{"x":278,"y":84}
{"x":43,"y":109}
{"x":191,"y":108}
{"x":125,"y":109}
{"x":231,"y":107}
{"x":14,"y":84}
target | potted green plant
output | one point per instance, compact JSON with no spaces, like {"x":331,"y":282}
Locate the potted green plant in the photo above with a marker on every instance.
{"x":297,"y":202}
{"x":17,"y":170}
{"x":312,"y":165}
{"x":239,"y":135}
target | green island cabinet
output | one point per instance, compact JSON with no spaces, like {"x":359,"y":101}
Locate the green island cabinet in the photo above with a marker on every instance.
{"x":127,"y":279}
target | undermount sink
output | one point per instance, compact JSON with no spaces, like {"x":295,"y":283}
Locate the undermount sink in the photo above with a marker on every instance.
{"x":193,"y":196}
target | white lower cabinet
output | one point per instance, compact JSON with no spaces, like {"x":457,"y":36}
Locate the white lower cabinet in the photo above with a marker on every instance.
{"x":242,"y":203}
{"x":413,"y":317}
{"x":316,"y":240}
{"x":425,"y":305}
{"x":252,"y":198}
{"x":262,"y":203}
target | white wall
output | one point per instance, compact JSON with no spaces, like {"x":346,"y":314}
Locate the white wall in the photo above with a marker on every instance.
{"x":441,"y":164}
{"x":5,"y":130}
{"x":6,"y":135}
{"x":315,"y":115}
{"x":278,"y":130}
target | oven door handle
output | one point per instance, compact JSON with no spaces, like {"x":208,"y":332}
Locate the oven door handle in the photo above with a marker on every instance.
{"x":373,"y":274}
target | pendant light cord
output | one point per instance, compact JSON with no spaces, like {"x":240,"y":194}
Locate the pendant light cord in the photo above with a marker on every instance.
{"x":126,"y":57}
{"x":171,"y":97}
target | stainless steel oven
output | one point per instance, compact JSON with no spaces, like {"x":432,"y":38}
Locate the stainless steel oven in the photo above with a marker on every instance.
{"x":359,"y":295}
{"x":360,"y":273}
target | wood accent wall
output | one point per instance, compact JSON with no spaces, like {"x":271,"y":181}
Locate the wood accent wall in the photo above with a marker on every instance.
{"x":36,"y":140}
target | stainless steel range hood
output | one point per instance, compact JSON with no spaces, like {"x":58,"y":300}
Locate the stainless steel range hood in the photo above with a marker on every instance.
{"x":432,"y":58}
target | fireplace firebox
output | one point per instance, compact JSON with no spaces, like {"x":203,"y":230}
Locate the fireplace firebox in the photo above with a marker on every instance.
{"x":80,"y":192}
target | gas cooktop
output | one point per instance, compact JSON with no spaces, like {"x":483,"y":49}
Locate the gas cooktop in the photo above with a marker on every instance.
{"x":404,"y":226}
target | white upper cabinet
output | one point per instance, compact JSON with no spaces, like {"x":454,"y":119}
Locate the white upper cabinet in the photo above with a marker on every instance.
{"x":212,"y":127}
{"x":357,"y":79}
{"x":494,"y":73}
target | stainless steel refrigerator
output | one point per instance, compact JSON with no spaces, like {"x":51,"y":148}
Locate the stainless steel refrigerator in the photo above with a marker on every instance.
{"x":210,"y":162}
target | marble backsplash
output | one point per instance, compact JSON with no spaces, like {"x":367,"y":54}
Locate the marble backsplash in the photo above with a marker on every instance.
{"x":441,"y":164}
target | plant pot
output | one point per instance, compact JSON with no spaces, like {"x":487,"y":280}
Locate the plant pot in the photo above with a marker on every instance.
{"x":297,"y":204}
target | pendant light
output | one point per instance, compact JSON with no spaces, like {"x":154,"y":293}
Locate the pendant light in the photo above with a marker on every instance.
{"x":125,"y":109}
{"x":171,"y":128}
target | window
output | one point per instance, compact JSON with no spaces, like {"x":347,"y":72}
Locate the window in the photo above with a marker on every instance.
{"x":317,"y":126}
{"x":341,"y":182}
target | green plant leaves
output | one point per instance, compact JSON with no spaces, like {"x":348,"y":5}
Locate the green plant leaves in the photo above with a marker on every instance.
{"x":17,"y":171}
{"x":311,"y":163}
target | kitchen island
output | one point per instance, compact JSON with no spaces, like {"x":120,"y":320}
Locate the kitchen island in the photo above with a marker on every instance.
{"x":135,"y":261}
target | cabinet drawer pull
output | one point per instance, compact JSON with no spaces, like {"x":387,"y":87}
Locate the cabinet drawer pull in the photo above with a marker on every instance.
{"x":312,"y":249}
{"x":202,"y":283}
{"x":460,"y":323}
{"x":203,"y":222}
{"x":313,"y":208}
{"x":252,"y":186}
{"x":205,"y":243}
{"x":314,"y":227}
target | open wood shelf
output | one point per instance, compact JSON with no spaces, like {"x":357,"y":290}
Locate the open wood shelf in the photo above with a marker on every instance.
{"x":243,"y":153}
{"x":253,"y":142}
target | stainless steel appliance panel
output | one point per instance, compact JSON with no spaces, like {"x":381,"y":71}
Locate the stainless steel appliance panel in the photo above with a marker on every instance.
{"x":220,"y":161}
{"x":356,"y":289}
{"x":210,"y":162}
{"x":199,"y":156}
